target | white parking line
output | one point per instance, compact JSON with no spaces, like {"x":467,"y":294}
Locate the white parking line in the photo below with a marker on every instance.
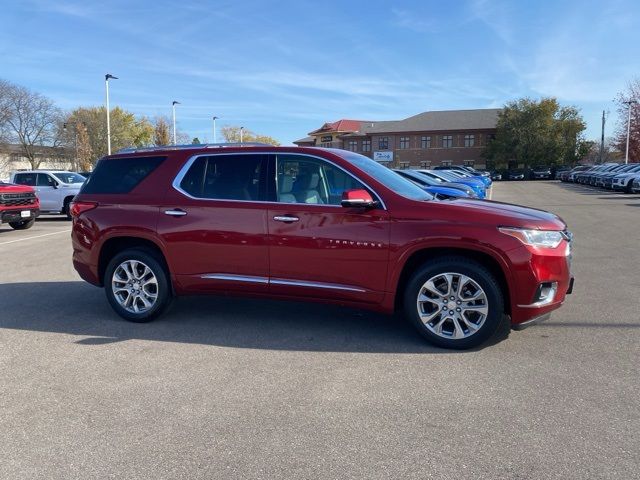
{"x":31,"y":238}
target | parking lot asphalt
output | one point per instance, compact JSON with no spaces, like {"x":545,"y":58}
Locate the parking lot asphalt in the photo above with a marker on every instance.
{"x":225,"y":388}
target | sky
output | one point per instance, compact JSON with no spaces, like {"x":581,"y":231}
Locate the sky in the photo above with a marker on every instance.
{"x":283,"y":68}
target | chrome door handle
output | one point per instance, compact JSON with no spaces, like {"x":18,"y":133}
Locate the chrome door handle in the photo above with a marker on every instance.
{"x":285,"y":218}
{"x":175,"y":212}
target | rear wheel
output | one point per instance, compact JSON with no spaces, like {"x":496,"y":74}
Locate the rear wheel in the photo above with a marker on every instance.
{"x":22,"y":225}
{"x":137,"y":285}
{"x":66,"y":208}
{"x":454,"y":302}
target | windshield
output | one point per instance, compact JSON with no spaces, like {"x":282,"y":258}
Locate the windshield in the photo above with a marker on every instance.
{"x":69,"y":177}
{"x":386,"y":176}
{"x":445,"y":175}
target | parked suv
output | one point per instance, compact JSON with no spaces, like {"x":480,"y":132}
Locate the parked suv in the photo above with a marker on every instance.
{"x":19,"y":206}
{"x":314,"y":224}
{"x":55,"y":189}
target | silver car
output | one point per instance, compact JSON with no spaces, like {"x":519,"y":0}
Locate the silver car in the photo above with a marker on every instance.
{"x":54,"y":188}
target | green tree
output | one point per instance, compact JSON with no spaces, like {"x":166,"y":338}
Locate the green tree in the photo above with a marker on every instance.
{"x":232,"y":134}
{"x":531,"y":132}
{"x":126,"y":129}
{"x":195,"y":141}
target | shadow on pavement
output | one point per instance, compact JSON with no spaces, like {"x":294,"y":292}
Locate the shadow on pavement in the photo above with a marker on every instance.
{"x":77,"y":308}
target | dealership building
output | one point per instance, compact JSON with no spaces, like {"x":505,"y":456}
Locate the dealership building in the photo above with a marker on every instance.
{"x":429,"y":139}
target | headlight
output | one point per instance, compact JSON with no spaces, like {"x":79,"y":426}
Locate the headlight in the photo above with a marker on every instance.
{"x":535,"y":238}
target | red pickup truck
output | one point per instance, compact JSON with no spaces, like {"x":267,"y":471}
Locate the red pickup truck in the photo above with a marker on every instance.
{"x":19,"y":205}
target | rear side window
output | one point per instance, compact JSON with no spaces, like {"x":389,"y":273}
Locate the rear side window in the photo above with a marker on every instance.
{"x":120,"y":175}
{"x":25,"y":179}
{"x":225,"y":177}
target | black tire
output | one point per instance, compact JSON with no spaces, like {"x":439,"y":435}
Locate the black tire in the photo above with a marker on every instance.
{"x":66,"y":208}
{"x":22,"y":225}
{"x":474,"y":271}
{"x":156,"y":265}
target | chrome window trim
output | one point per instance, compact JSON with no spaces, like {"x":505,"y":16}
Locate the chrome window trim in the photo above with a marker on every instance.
{"x":279,"y":281}
{"x":185,"y":168}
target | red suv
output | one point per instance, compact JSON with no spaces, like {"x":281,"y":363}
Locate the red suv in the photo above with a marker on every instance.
{"x":317,"y":224}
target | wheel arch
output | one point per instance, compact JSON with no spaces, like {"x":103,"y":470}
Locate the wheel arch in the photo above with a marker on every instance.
{"x":423,"y":255}
{"x":114,"y":245}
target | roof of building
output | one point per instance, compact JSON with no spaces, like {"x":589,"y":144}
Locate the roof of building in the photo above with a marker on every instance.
{"x":305,"y":140}
{"x":439,"y":120}
{"x":343,"y":125}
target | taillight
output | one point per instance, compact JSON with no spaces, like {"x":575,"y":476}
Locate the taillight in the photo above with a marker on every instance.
{"x":77,"y":208}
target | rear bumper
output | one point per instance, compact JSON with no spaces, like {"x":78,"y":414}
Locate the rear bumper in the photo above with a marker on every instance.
{"x":14,"y":214}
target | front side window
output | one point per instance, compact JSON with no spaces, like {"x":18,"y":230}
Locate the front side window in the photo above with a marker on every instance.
{"x":309,"y":180}
{"x":383,"y":143}
{"x":69,"y":177}
{"x":45,"y":180}
{"x":366,"y":145}
{"x":447,"y":141}
{"x":225,"y":177}
{"x":25,"y":179}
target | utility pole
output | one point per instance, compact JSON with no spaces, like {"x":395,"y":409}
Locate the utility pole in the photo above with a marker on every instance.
{"x":106,"y":86}
{"x":241,"y":132}
{"x":173,"y":106}
{"x":628,"y":103}
{"x":214,"y":129}
{"x":602,"y":139}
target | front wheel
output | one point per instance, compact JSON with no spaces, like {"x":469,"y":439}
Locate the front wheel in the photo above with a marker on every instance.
{"x":454,"y":302}
{"x":22,"y":225}
{"x":137,"y":285}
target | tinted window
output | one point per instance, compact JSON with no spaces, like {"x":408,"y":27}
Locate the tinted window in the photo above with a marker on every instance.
{"x":120,"y":175}
{"x":225,"y":177}
{"x":302,"y":179}
{"x":45,"y":180}
{"x":25,"y":179}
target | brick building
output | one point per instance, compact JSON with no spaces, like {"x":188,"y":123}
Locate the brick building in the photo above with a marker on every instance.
{"x":429,"y":139}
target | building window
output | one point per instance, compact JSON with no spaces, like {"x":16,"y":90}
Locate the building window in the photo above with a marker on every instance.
{"x":404,"y":165}
{"x":383,"y":143}
{"x":424,"y":164}
{"x":404,"y":142}
{"x":353,"y":145}
{"x":491,"y":137}
{"x":469,"y":140}
{"x":425,"y":142}
{"x":366,"y":145}
{"x":469,"y":163}
{"x":446,"y":163}
{"x":447,"y":141}
{"x":326,"y":145}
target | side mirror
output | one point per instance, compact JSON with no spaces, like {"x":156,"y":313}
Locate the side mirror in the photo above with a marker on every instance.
{"x":357,"y":198}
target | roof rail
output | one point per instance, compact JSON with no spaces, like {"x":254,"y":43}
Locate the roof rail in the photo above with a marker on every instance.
{"x":193,"y":146}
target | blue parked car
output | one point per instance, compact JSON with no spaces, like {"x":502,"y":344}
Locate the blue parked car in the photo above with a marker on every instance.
{"x":486,"y":180}
{"x":438,"y":189}
{"x":478,"y":186}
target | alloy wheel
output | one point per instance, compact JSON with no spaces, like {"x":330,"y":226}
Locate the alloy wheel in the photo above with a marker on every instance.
{"x":134,"y":286}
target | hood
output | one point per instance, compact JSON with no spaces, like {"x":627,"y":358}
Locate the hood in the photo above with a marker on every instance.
{"x":13,"y":188}
{"x":506,"y":214}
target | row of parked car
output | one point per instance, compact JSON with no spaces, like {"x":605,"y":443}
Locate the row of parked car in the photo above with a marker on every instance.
{"x":32,"y":192}
{"x":612,"y":176}
{"x":450,"y":182}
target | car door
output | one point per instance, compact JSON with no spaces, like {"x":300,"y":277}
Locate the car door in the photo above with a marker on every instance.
{"x":213,"y":224}
{"x":317,"y":248}
{"x":48,"y":192}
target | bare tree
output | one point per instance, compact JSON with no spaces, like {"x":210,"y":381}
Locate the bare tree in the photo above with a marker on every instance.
{"x":29,"y":120}
{"x":632,"y":93}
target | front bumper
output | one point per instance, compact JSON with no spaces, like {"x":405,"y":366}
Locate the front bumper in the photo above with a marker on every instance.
{"x":15,"y":214}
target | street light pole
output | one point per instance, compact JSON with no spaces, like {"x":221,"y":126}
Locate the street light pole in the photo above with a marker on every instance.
{"x":173,"y":106}
{"x":628,"y":103}
{"x":241,"y":132}
{"x":106,"y":87}
{"x":602,"y":138}
{"x":214,"y":129}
